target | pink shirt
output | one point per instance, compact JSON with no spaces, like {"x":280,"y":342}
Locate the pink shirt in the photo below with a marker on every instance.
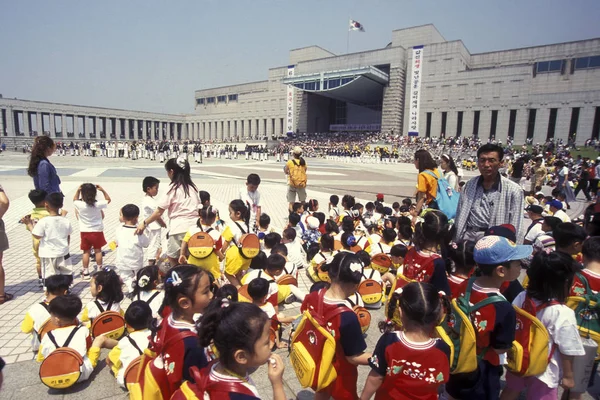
{"x":182,"y":210}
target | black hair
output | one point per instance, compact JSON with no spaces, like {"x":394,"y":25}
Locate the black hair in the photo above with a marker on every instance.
{"x":339,"y":269}
{"x":312,"y":204}
{"x":280,"y":249}
{"x":260,"y":261}
{"x":258,"y":288}
{"x":348,"y":240}
{"x":138,"y":315}
{"x":591,"y":249}
{"x":370,"y":206}
{"x":231,"y":326}
{"x":38,"y":153}
{"x":55,"y":200}
{"x":348,"y":201}
{"x":207,"y":214}
{"x":421,"y":304}
{"x":433,"y":229}
{"x":318,"y":286}
{"x":37,"y":196}
{"x":111,"y":286}
{"x":190,"y":276}
{"x":275,"y":262}
{"x":289,"y":234}
{"x":320,"y":216}
{"x":238,"y":206}
{"x":228,"y":292}
{"x":358,"y":207}
{"x":348,"y":225}
{"x":272,"y":239}
{"x":364,"y":257}
{"x":204,"y":196}
{"x":388,"y":235}
{"x":149,"y":182}
{"x":264,"y":221}
{"x":65,"y":307}
{"x":568,"y":233}
{"x":145,"y":279}
{"x":451,"y":163}
{"x":489,"y":148}
{"x":57,"y":285}
{"x":405,"y":229}
{"x":296,"y":206}
{"x":551,"y":276}
{"x":181,"y":175}
{"x":398,"y":250}
{"x":406,"y":201}
{"x":460,"y":258}
{"x":425,"y":160}
{"x":395,"y":205}
{"x":253,"y":179}
{"x":334,"y":199}
{"x":327,"y":242}
{"x":331,"y":227}
{"x":294,"y":219}
{"x":88,"y":193}
{"x":130,"y":211}
{"x":552,"y":222}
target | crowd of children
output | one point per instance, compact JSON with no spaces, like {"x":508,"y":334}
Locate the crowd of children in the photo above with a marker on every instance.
{"x":208,"y":320}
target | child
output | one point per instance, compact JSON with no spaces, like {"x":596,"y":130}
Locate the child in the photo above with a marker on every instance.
{"x":294,"y":223}
{"x":149,"y":204}
{"x":405,"y":231}
{"x":550,"y":277}
{"x":240,"y":333}
{"x":212,"y":262}
{"x":273,"y":267}
{"x":459,"y":264}
{"x":421,"y":308}
{"x":54,"y":232}
{"x":38,"y":198}
{"x":89,"y":212}
{"x":334,"y":211}
{"x":38,"y":316}
{"x":264,"y":226}
{"x":228,"y":292}
{"x":345,"y":272}
{"x":138,"y":318}
{"x":424,"y":262}
{"x":105,"y":287}
{"x":235,"y":264}
{"x":187,"y":292}
{"x":63,"y":313}
{"x":569,"y":238}
{"x":296,"y":253}
{"x":251,"y":198}
{"x":130,"y":247}
{"x":325,"y":255}
{"x":388,"y":236}
{"x":258,"y":290}
{"x":348,"y":203}
{"x":277,"y":269}
{"x":205,"y":203}
{"x":311,"y":235}
{"x":145,"y":289}
{"x":269,"y":241}
{"x":498,"y":260}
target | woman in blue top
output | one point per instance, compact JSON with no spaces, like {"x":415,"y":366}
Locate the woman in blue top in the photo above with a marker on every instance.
{"x":40,"y":169}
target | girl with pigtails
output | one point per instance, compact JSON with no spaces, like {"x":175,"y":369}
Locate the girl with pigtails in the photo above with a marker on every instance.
{"x":409,"y":363}
{"x":181,"y":203}
{"x":145,"y":289}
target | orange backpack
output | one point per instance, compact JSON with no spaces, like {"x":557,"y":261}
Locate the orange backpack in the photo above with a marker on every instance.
{"x":62,"y":368}
{"x":381,"y":262}
{"x":201,"y":244}
{"x":133,"y":369}
{"x":248,"y":245}
{"x":108,"y":323}
{"x":371,"y":291}
{"x":364,"y":316}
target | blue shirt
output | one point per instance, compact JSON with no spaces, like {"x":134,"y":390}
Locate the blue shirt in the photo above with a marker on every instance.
{"x":46,"y":178}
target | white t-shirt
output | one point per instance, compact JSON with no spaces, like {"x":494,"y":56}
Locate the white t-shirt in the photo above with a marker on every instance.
{"x":128,"y":352}
{"x":259,"y":273}
{"x":296,"y":254}
{"x":377,"y":248}
{"x":149,"y":205}
{"x":182,"y":210}
{"x":334,"y":212}
{"x":54,"y":231}
{"x":373,"y":274}
{"x":562,"y":215}
{"x":90,"y":217}
{"x":156,"y":302}
{"x":535,"y":231}
{"x":252,"y":201}
{"x":562,"y":327}
{"x":130,"y":248}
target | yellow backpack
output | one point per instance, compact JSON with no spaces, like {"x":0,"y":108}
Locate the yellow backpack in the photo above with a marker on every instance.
{"x":298,"y":174}
{"x":587,"y":312}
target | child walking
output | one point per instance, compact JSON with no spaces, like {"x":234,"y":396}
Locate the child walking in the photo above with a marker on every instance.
{"x":105,"y":287}
{"x":409,"y":363}
{"x":130,"y":247}
{"x":550,"y":277}
{"x":150,"y":187}
{"x":89,"y":212}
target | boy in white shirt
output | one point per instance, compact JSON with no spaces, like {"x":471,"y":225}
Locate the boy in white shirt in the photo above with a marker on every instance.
{"x":150,"y":186}
{"x":251,"y":197}
{"x":54,"y":232}
{"x":130,"y":247}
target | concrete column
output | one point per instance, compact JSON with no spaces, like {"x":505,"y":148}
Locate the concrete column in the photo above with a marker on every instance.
{"x":117,"y":127}
{"x":193,"y":130}
{"x":502,"y":124}
{"x":135,"y":129}
{"x":541,"y":124}
{"x":64,"y":125}
{"x":451,"y":118}
{"x":52,"y":127}
{"x":26,"y":127}
{"x":98,"y":126}
{"x":38,"y":123}
{"x":168,"y":130}
{"x":586,"y":123}
{"x":1,"y":123}
{"x":127,"y":127}
{"x":563,"y":122}
{"x":152,"y":130}
{"x":75,"y":126}
{"x":485,"y":119}
{"x":521,"y":125}
{"x":10,"y":122}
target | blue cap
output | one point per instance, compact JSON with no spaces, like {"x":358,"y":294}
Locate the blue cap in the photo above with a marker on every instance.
{"x":556,"y":204}
{"x":494,"y":250}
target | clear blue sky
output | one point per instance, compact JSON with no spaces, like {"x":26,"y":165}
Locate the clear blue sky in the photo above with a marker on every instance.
{"x":152,"y":55}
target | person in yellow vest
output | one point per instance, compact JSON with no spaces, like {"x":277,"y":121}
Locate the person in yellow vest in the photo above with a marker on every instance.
{"x":295,"y":169}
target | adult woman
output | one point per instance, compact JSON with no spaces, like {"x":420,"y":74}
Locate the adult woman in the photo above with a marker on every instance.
{"x":562,"y":173}
{"x":450,"y":171}
{"x":4,"y":203}
{"x":40,"y":169}
{"x":181,"y":203}
{"x":426,"y":182}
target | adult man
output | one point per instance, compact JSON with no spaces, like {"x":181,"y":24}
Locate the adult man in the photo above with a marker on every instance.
{"x":295,"y":169}
{"x":489,"y":199}
{"x":534,"y":212}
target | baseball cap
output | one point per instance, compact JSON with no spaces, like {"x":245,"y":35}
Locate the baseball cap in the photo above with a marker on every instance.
{"x":535,"y":209}
{"x":506,"y":230}
{"x":312,"y":222}
{"x":297,"y":150}
{"x":556,"y":204}
{"x":494,"y":250}
{"x":380,"y":196}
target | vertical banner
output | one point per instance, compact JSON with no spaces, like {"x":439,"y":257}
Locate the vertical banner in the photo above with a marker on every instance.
{"x":290,"y":103}
{"x":415,"y":91}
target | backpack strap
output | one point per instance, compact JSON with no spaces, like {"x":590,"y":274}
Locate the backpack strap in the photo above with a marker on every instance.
{"x":480,"y":304}
{"x":45,"y":305}
{"x":52,"y":339}
{"x":380,"y":247}
{"x":134,"y":344}
{"x":430,"y":172}
{"x":328,"y":316}
{"x":585,"y":282}
{"x":151,"y":297}
{"x":71,"y":335}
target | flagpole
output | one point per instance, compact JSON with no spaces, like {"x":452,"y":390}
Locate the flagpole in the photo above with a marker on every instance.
{"x":348,"y":37}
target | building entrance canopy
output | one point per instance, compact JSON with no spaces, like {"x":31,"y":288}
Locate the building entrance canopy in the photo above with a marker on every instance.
{"x":362,"y":86}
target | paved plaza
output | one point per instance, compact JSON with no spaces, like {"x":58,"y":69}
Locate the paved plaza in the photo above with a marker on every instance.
{"x":122,"y":180}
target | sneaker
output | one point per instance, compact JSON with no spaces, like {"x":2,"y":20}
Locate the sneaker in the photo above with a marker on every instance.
{"x":85,"y":274}
{"x":40,"y":282}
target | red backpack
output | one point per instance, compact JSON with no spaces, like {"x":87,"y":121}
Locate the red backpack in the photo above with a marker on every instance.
{"x":204,"y":385}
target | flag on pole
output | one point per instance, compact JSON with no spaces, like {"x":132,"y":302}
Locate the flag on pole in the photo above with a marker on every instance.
{"x":356,"y":26}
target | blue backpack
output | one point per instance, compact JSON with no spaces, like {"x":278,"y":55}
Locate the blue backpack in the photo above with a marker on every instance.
{"x":446,"y":198}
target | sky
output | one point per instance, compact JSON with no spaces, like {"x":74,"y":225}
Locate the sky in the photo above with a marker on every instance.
{"x":152,"y":55}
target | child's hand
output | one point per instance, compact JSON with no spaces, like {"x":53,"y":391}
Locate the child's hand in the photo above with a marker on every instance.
{"x":567,"y":383}
{"x":26,"y":220}
{"x":182,"y":259}
{"x":275,"y":368}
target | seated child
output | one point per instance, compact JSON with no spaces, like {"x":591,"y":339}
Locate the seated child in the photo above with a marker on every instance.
{"x":270,"y":240}
{"x":63,"y":312}
{"x":145,"y":289}
{"x":258,"y":290}
{"x":311,"y":235}
{"x":37,"y":319}
{"x":326,"y":254}
{"x":334,"y":211}
{"x":130,"y":247}
{"x":284,"y":291}
{"x":275,"y":263}
{"x":264,"y":226}
{"x":289,"y":267}
{"x":105,"y":287}
{"x":296,"y":253}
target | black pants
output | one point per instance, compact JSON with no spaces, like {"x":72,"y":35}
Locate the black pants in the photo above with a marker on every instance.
{"x":583,"y":185}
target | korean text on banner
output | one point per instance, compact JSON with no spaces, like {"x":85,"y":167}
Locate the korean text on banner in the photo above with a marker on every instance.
{"x":289,"y":117}
{"x":415,"y":91}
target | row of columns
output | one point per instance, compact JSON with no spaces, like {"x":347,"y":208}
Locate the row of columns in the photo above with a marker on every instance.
{"x":229,"y":129}
{"x":94,"y":127}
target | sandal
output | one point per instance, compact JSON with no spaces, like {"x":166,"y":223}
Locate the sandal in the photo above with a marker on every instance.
{"x":6,"y":297}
